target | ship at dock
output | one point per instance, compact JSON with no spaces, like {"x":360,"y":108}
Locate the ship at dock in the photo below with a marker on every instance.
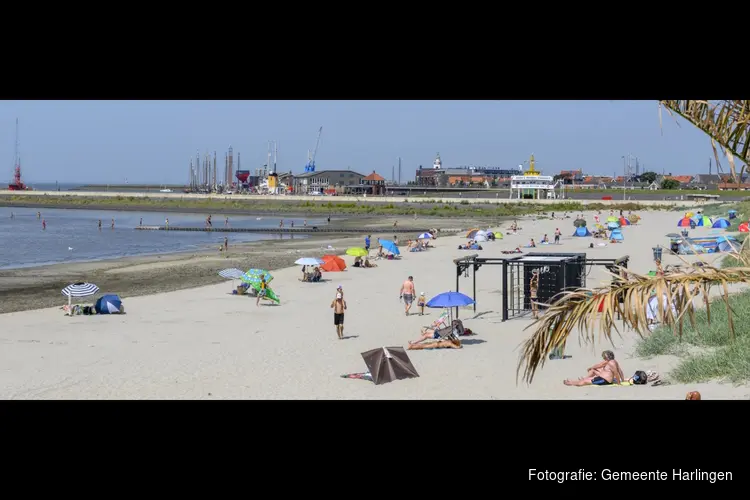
{"x":17,"y":184}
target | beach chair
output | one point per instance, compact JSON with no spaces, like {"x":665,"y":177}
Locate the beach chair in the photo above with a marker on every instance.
{"x":441,"y":320}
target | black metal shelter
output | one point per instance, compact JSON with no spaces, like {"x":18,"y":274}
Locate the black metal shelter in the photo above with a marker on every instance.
{"x":558,"y":272}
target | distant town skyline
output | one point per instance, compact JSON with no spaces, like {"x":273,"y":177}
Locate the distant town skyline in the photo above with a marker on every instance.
{"x":153,"y":141}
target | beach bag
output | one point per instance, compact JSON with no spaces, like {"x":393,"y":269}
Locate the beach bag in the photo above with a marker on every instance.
{"x":640,"y":378}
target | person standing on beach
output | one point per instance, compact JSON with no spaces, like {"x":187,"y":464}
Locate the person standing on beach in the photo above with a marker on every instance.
{"x":38,"y":215}
{"x":166,"y":223}
{"x":292,"y":224}
{"x":113,"y":222}
{"x":407,"y":293}
{"x":329,"y":219}
{"x":281,"y":223}
{"x":226,"y":244}
{"x":100,"y":224}
{"x":557,"y":236}
{"x":304,"y":223}
{"x":226,"y":221}
{"x":141,"y":222}
{"x":262,"y":291}
{"x":339,"y":306}
{"x":367,"y":244}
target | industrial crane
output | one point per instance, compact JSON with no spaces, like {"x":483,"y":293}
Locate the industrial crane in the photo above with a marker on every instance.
{"x":310,"y":167}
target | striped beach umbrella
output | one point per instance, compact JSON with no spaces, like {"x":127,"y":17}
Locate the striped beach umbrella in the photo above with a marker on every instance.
{"x":424,"y":236}
{"x":79,"y":290}
{"x":231,"y":274}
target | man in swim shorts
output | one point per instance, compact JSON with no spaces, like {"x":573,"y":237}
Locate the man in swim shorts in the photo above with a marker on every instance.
{"x":407,"y":293}
{"x":339,"y":306}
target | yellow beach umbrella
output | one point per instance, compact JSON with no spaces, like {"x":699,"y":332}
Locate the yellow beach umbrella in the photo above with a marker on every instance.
{"x":357,"y":252}
{"x":499,"y":235}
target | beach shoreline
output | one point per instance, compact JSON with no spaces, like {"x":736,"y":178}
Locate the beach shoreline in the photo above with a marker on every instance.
{"x":38,"y":287}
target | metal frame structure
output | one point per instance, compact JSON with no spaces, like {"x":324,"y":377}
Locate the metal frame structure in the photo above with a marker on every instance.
{"x":516,"y":300}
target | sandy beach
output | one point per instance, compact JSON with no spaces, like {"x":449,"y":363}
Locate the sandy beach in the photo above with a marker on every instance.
{"x":204,"y":343}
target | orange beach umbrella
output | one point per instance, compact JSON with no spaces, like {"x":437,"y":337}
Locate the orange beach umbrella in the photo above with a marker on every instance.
{"x":333,"y":263}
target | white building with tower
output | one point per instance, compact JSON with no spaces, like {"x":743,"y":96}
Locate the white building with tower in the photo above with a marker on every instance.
{"x":532,"y":184}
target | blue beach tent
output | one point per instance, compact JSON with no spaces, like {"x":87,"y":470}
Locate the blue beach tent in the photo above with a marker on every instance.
{"x":108,"y":304}
{"x":721,"y":224}
{"x":616,"y":235}
{"x":582,"y":231}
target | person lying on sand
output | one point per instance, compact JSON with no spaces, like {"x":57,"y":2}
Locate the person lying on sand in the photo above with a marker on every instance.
{"x":605,"y":372}
{"x":368,"y":264}
{"x":428,"y":333}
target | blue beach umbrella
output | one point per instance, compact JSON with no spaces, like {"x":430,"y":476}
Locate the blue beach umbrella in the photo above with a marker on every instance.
{"x":424,"y":236}
{"x":390,"y":246}
{"x":721,"y":224}
{"x":108,"y":304}
{"x":449,"y":300}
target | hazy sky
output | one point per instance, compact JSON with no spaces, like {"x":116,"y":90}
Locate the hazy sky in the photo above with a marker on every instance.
{"x":152,"y":141}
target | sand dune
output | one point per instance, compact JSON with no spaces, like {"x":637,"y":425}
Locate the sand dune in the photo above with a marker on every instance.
{"x":204,"y":343}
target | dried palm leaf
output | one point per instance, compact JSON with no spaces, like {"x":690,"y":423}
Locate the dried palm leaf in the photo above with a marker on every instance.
{"x":627,"y":298}
{"x":726,"y":122}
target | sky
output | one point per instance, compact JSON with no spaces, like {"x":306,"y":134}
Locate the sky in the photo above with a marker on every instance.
{"x":98,"y":142}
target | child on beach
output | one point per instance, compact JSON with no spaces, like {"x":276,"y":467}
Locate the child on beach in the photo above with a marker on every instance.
{"x":420,"y":304}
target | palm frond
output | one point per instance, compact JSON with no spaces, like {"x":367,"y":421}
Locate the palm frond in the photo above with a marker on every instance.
{"x":726,"y":122}
{"x":627,"y":298}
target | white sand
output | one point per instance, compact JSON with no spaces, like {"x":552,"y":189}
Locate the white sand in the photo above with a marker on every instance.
{"x":204,"y":343}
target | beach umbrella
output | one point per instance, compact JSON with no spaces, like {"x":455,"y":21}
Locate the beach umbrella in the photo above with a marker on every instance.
{"x":309,"y":261}
{"x":449,"y":300}
{"x":499,"y":235}
{"x":744,"y":228}
{"x":579,"y":223}
{"x":390,"y":246}
{"x":689,"y":214}
{"x":79,"y":290}
{"x":684,"y":222}
{"x":333,"y":263}
{"x":424,"y":236}
{"x":108,"y":304}
{"x":624,"y":222}
{"x":633,"y":218}
{"x":612,"y":218}
{"x":613,"y":225}
{"x":254,"y":275}
{"x":357,"y":252}
{"x":387,"y":364}
{"x":471,"y":232}
{"x":231,"y":274}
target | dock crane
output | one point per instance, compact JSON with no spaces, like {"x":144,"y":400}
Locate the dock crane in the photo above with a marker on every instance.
{"x":310,"y":167}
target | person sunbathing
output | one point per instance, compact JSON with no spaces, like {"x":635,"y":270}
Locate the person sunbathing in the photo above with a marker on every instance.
{"x":606,"y":372}
{"x":368,"y":264}
{"x":427,"y":333}
{"x":531,"y":244}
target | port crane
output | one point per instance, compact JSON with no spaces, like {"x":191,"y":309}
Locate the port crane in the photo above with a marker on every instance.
{"x":310,"y":167}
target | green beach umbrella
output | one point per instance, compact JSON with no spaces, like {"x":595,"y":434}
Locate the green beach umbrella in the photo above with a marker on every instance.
{"x":253,"y":276}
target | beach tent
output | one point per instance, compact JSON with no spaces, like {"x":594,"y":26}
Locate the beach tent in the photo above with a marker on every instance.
{"x":684,"y":222}
{"x":498,"y":235}
{"x":582,"y":231}
{"x":481,"y":236}
{"x":633,"y":218}
{"x":702,"y":220}
{"x":624,"y":221}
{"x":732,"y":214}
{"x":616,"y":235}
{"x":387,"y":364}
{"x":613,"y":225}
{"x":109,"y":304}
{"x":472,"y":232}
{"x":744,"y":228}
{"x":721,"y":224}
{"x":333,"y":264}
{"x":727,"y":243}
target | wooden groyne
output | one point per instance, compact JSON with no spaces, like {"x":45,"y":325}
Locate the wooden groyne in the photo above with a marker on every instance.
{"x":294,"y":230}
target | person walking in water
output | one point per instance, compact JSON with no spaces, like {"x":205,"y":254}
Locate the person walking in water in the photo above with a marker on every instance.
{"x":44,"y":224}
{"x":407,"y":293}
{"x":166,"y":223}
{"x":226,"y":244}
{"x":113,"y":223}
{"x":226,"y":221}
{"x":39,"y":215}
{"x":339,"y":306}
{"x":100,"y":224}
{"x":141,"y":222}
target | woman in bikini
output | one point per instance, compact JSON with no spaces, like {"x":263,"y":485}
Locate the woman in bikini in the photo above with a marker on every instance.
{"x":533,"y":289}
